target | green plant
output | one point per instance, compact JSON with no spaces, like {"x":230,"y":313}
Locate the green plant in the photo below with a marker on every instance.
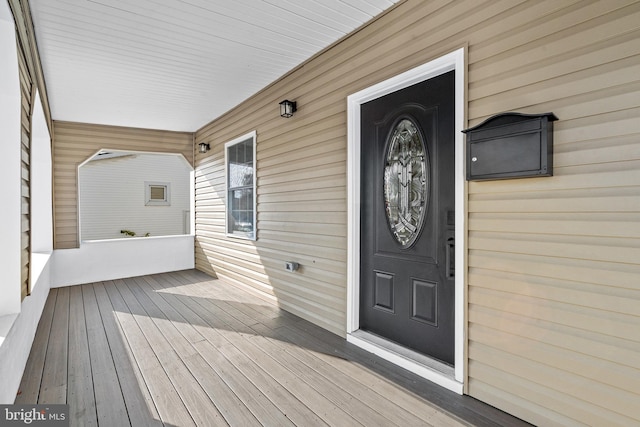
{"x":132,"y":233}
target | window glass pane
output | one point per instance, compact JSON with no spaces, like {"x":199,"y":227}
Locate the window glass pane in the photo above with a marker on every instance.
{"x":240,"y":158}
{"x":239,"y":153}
{"x":241,"y":210}
{"x":157,"y":192}
{"x":240,"y":183}
{"x":248,"y":153}
{"x":240,"y":175}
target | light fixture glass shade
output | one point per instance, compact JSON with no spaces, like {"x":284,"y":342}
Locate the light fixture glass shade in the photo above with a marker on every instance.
{"x":203,"y":147}
{"x":287,"y":108}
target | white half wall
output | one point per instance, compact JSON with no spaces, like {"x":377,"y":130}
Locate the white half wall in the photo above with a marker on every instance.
{"x":120,"y":258}
{"x":15,"y":343}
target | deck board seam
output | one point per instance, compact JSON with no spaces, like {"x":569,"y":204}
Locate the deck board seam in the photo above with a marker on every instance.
{"x":79,"y":361}
{"x":46,"y":321}
{"x":117,"y":403}
{"x":51,"y":392}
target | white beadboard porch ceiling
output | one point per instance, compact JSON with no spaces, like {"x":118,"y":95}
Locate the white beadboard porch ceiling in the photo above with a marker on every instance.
{"x":178,"y":64}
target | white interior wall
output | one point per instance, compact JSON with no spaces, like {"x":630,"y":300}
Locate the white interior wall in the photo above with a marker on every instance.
{"x":10,"y":107}
{"x":41,"y":196}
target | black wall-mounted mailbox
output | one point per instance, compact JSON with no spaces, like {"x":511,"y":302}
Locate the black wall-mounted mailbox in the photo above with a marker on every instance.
{"x":511,"y":145}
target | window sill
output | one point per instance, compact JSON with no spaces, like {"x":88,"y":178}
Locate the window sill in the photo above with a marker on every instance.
{"x":6,"y":322}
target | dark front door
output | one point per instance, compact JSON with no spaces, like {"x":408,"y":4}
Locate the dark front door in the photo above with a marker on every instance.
{"x":407,"y":217}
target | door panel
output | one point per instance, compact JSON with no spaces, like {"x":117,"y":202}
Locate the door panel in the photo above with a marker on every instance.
{"x":407,"y":212}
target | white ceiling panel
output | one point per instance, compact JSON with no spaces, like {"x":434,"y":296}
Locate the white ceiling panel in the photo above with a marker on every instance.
{"x":178,"y":64}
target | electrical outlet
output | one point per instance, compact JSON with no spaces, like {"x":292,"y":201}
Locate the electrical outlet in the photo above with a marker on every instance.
{"x":291,"y":266}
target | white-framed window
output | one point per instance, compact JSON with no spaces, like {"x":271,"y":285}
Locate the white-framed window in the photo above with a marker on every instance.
{"x":240,"y":167}
{"x":157,"y":193}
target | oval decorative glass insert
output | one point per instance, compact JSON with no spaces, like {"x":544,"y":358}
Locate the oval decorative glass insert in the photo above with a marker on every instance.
{"x":406,"y":176}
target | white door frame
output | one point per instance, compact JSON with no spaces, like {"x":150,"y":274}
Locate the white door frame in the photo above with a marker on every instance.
{"x":451,"y":61}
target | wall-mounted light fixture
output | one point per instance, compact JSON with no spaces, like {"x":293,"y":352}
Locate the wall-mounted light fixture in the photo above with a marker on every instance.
{"x":287,"y":108}
{"x":203,"y":147}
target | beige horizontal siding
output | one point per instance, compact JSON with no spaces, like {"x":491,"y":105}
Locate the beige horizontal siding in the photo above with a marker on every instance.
{"x":76,"y":142}
{"x":27,"y":91}
{"x":554,"y":263}
{"x":31,"y":80}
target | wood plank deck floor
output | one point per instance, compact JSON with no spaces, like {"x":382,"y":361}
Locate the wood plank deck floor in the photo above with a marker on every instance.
{"x":183,"y":349}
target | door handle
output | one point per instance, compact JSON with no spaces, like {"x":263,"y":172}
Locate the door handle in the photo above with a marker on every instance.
{"x":450,"y":258}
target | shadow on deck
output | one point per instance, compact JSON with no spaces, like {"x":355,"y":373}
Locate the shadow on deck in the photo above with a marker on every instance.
{"x":182,"y":348}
